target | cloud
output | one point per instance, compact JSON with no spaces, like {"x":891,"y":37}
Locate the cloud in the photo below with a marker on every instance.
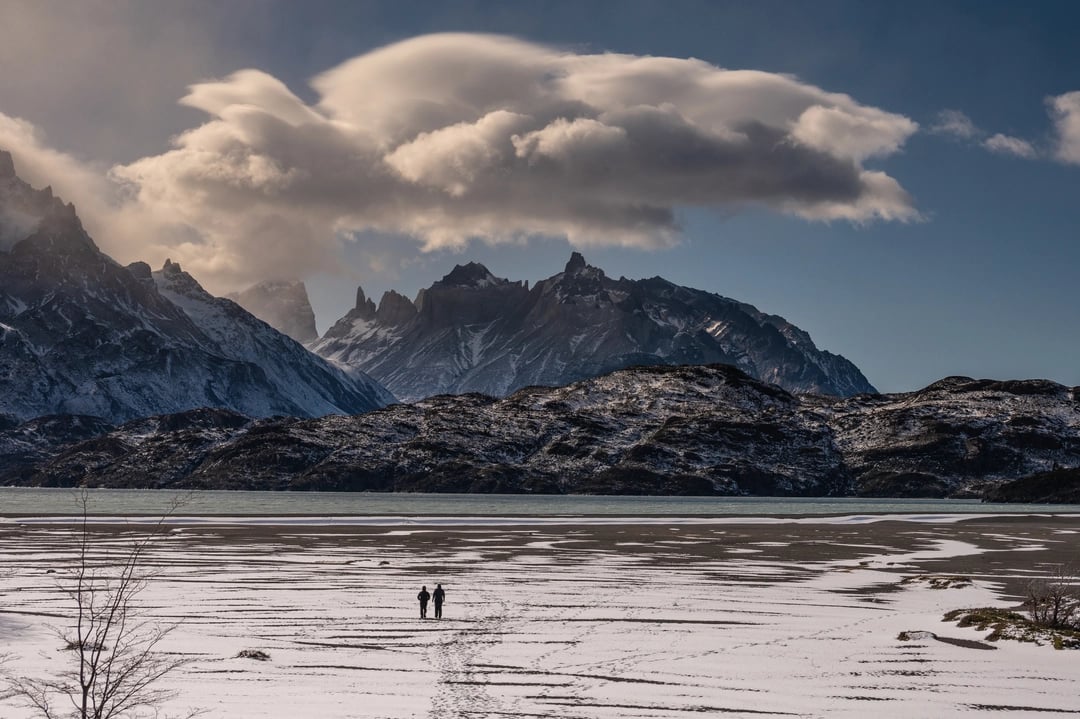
{"x":1065,"y":112}
{"x":103,"y":75}
{"x":456,"y":137}
{"x":956,"y":124}
{"x":1006,"y":145}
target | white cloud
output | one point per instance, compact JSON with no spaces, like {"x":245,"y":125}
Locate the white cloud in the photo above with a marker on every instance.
{"x":1065,"y":112}
{"x":955,"y":123}
{"x":451,"y":138}
{"x":859,"y":135}
{"x":1006,"y":145}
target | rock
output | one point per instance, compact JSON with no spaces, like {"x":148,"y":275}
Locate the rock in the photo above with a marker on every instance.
{"x":1060,"y":486}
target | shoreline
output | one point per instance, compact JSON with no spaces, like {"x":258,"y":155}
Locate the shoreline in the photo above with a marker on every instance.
{"x":516,"y":520}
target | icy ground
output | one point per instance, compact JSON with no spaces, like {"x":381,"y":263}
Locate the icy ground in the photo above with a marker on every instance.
{"x":652,"y":620}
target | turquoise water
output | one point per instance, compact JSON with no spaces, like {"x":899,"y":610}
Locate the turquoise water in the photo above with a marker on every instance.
{"x":26,"y":501}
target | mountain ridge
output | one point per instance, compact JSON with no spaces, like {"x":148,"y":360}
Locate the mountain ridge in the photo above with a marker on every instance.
{"x":474,"y":332}
{"x":81,"y":334}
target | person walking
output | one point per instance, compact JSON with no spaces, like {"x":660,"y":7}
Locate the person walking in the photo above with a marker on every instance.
{"x":423,"y":596}
{"x":439,"y":596}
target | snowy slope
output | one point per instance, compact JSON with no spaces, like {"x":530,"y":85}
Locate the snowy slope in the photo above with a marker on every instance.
{"x":80,"y":334}
{"x":473,"y":332}
{"x":299,"y":377}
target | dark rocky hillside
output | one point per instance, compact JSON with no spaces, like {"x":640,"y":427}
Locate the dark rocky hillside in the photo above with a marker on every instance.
{"x":1059,"y":486}
{"x":644,"y":430}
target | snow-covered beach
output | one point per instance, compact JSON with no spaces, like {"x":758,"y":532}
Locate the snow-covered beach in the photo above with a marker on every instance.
{"x":636,"y":617}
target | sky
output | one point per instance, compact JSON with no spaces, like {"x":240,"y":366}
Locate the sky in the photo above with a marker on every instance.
{"x":901,"y":180}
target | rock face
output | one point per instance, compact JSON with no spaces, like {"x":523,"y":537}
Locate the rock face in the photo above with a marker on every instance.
{"x":958,"y":435}
{"x":82,"y":335}
{"x":474,"y":332}
{"x":645,"y":430}
{"x":1061,"y":486}
{"x":282,"y":304}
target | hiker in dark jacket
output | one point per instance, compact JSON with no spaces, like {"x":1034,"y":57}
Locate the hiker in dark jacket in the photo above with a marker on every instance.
{"x":439,"y":596}
{"x":423,"y":596}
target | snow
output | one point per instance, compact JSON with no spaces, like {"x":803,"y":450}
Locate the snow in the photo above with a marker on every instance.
{"x":306,"y":380}
{"x":538,"y":625}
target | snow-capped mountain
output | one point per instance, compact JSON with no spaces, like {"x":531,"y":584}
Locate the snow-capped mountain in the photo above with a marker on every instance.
{"x":282,"y":304}
{"x":80,"y":334}
{"x":474,"y":332}
{"x":644,"y":430}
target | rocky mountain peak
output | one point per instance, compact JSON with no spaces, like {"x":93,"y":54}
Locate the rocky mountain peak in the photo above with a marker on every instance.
{"x":472,"y":275}
{"x":576,"y":264}
{"x":395,"y":309}
{"x":579,"y":279}
{"x":361,"y":298}
{"x":141,"y":271}
{"x":25,"y":211}
{"x":283,"y":304}
{"x":364,"y":308}
{"x":178,"y":280}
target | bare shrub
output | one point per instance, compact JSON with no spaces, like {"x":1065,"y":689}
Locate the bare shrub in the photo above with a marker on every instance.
{"x":115,"y":666}
{"x":1054,"y":602}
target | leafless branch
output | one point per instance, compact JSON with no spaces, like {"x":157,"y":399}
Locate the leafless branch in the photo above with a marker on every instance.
{"x":116,"y":667}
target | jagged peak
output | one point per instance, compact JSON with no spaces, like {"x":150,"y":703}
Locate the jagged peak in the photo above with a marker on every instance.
{"x":140,"y":270}
{"x":394,"y":297}
{"x":472,"y":275}
{"x":364,"y":307}
{"x":24,"y":209}
{"x":173,"y":278}
{"x":576,"y":264}
{"x":395,"y":308}
{"x":577,"y":267}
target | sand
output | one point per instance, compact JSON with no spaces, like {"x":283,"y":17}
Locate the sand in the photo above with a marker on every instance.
{"x":570,"y":618}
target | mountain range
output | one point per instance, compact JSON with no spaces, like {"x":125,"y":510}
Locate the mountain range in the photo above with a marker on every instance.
{"x":131,"y":377}
{"x":474,"y":332}
{"x":81,"y":334}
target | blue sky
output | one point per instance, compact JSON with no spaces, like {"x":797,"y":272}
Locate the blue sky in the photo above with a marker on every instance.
{"x":983,"y":285}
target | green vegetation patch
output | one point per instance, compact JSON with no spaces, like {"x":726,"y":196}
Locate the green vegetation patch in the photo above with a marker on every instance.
{"x":1005,"y":624}
{"x":939,"y":581}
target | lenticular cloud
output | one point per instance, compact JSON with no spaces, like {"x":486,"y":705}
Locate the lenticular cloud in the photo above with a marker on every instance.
{"x":450,"y":138}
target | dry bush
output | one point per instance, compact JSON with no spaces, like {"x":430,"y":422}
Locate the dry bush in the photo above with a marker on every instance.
{"x":1054,"y":602}
{"x":115,"y":667}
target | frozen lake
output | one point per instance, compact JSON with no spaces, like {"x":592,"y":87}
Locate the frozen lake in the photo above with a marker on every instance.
{"x":571,"y":619}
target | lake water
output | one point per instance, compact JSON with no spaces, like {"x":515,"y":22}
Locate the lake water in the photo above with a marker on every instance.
{"x":30,"y":501}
